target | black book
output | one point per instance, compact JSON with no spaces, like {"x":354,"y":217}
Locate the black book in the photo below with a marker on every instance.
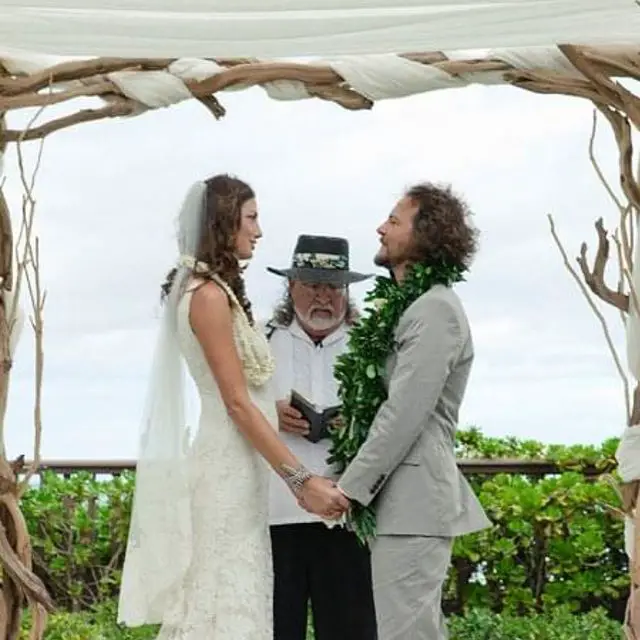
{"x":318,"y":420}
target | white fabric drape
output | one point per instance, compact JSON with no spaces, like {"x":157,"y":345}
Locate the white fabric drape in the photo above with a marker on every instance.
{"x":272,"y":28}
{"x":376,"y":76}
{"x":160,"y":542}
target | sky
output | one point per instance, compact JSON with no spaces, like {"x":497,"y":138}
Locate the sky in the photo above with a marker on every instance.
{"x":108,"y":194}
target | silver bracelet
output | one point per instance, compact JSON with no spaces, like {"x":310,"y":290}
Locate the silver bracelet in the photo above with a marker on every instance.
{"x":295,"y":477}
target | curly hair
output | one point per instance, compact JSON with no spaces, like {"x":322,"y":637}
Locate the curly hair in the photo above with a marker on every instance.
{"x":443,"y":232}
{"x":284,"y":311}
{"x":224,"y":197}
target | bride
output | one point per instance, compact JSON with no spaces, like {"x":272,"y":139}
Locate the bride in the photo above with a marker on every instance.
{"x":198,"y":556}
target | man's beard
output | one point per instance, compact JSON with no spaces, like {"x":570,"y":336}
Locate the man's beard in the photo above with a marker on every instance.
{"x":322,"y":321}
{"x":386,"y":261}
{"x":382,"y":261}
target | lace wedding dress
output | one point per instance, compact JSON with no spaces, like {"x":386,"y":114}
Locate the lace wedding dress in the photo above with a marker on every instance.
{"x":227,"y":592}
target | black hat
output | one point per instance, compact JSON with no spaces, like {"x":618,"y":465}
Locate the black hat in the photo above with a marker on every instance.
{"x":321,"y":259}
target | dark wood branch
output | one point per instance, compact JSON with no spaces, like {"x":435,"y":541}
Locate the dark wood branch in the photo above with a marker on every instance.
{"x":30,"y":584}
{"x":212,"y":105}
{"x":6,"y":234}
{"x":77,"y":70}
{"x":117,"y":109}
{"x":594,"y":279}
{"x":622,"y":131}
{"x":594,"y":73}
{"x":34,"y":99}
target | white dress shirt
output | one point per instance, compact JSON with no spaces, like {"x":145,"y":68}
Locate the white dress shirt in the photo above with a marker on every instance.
{"x":307,"y":368}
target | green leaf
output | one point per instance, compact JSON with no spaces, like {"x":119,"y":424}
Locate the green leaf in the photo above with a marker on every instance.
{"x":360,"y":370}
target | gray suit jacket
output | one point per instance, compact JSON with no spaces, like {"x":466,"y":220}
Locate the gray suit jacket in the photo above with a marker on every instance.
{"x":407,"y":465}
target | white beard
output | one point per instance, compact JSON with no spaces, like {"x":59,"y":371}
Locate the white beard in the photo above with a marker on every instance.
{"x":321,"y":323}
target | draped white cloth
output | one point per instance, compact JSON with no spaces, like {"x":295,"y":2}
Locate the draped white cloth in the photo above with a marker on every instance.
{"x":375,"y":76}
{"x":272,"y":28}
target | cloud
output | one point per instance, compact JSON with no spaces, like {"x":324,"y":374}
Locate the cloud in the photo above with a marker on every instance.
{"x":108,"y":194}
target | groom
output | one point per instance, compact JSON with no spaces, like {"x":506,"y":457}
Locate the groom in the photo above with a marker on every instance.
{"x":407,"y":464}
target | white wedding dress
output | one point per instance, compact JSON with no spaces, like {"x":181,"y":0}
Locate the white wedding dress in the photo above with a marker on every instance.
{"x":227,"y":592}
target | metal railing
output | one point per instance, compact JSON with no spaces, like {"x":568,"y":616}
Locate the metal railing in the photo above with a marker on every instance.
{"x":536,"y":468}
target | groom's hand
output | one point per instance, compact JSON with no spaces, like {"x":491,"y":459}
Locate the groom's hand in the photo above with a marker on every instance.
{"x":322,"y":497}
{"x":290,"y":419}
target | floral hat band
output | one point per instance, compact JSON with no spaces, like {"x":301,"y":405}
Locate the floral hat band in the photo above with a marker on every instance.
{"x":321,"y":259}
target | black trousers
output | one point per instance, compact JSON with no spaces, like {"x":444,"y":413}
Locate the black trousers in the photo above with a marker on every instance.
{"x":330,"y":569}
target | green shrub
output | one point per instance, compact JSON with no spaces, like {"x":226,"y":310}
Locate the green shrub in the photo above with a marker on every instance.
{"x":476,"y":625}
{"x":78,"y":528}
{"x":560,"y":625}
{"x":554,"y":541}
{"x":95,"y":624}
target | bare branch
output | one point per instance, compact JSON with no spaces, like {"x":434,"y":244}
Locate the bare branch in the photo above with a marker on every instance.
{"x":595,"y":279}
{"x":85,"y":90}
{"x":29,"y":267}
{"x":624,"y":242}
{"x":597,"y":76}
{"x":14,"y":567}
{"x":122,"y":108}
{"x":26,"y":227}
{"x":212,"y":104}
{"x":20,"y":586}
{"x":597,"y":312}
{"x":622,"y":130}
{"x":37,"y":297}
{"x":621,"y":276}
{"x":595,"y":164}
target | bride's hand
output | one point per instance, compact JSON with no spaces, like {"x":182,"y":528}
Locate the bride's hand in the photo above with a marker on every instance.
{"x":322,"y":497}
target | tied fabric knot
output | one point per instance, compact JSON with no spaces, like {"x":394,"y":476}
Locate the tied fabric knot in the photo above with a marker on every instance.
{"x":196,"y":266}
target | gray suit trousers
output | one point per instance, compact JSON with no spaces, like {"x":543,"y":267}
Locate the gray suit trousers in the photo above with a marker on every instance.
{"x":408,"y":576}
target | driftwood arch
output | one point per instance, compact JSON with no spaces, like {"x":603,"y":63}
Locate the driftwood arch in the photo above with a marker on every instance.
{"x":591,"y":73}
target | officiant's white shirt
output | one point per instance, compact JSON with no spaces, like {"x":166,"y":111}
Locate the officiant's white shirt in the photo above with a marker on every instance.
{"x":308,"y":368}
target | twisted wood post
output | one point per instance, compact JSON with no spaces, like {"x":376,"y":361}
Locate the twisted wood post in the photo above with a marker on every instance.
{"x":6,"y":277}
{"x":621,"y":108}
{"x":19,"y":586}
{"x":9,"y":598}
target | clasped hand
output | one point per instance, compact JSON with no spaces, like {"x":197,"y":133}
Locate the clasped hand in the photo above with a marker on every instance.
{"x":322,"y":497}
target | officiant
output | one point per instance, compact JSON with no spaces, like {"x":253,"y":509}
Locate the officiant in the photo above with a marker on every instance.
{"x":326,"y":567}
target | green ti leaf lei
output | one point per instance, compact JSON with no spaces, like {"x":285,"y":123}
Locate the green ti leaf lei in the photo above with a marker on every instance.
{"x":360,"y":370}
